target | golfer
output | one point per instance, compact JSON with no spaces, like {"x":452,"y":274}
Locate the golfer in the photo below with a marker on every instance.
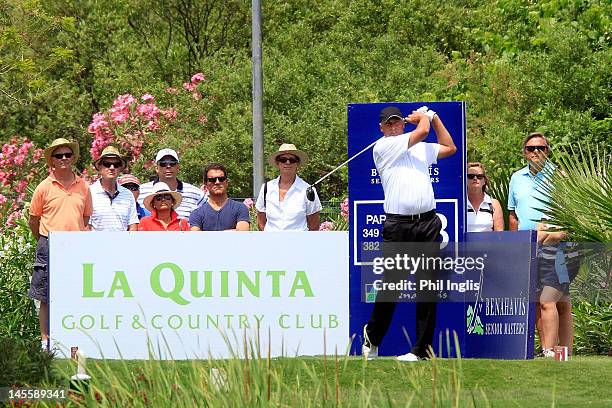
{"x":282,"y":204}
{"x":403,"y":160}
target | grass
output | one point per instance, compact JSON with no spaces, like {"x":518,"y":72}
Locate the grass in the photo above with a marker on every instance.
{"x":311,"y":381}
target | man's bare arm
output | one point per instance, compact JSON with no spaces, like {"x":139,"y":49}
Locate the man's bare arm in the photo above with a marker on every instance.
{"x":34,"y":223}
{"x":447,"y":146}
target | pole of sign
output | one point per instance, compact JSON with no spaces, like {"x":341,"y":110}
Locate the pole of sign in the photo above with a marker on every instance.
{"x":258,"y":162}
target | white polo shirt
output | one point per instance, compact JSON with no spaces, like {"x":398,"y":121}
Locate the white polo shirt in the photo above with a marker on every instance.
{"x":192,"y":197}
{"x":114,"y":214}
{"x":290,"y":214}
{"x":404,"y":174}
{"x":482,"y":219}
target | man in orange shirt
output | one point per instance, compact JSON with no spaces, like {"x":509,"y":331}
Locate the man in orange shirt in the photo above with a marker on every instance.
{"x":61,"y":202}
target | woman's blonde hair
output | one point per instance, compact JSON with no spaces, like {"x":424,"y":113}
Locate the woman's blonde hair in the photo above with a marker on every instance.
{"x":481,"y":166}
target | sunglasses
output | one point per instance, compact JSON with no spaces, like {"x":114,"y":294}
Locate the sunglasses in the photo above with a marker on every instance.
{"x":132,"y":187}
{"x":163,"y":197}
{"x":167,"y":163}
{"x":60,"y":156}
{"x":108,"y":164}
{"x":473,"y":176}
{"x":220,"y":179}
{"x":534,"y":148}
{"x":291,"y":160}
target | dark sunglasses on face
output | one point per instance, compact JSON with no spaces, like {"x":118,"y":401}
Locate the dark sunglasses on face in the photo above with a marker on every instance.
{"x":60,"y":156}
{"x":291,"y":160}
{"x":167,"y":163}
{"x":162,"y":197}
{"x":132,"y":187}
{"x":115,"y":164}
{"x":220,"y":179}
{"x":473,"y":176}
{"x":532,"y":149}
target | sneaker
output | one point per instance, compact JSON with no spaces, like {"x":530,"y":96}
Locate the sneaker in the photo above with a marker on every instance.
{"x":369,"y":351}
{"x":407,"y":357}
{"x":548,"y":353}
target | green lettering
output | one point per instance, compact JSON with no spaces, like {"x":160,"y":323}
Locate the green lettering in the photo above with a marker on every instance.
{"x":275,"y":281}
{"x":179,"y":281}
{"x":301,"y":282}
{"x":224,"y":284}
{"x":207,"y":291}
{"x":88,"y":282}
{"x":245,"y":281}
{"x":120,"y":283}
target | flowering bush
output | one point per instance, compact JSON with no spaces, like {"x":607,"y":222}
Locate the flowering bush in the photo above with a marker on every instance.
{"x":337,"y":222}
{"x":139,"y":126}
{"x":19,"y":167}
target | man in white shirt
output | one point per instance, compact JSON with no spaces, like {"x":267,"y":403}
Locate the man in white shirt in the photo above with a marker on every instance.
{"x":403,"y":161}
{"x":114,"y":207}
{"x":167,"y":168}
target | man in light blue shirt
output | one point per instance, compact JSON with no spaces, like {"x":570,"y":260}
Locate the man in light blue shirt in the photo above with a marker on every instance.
{"x":524,"y":194}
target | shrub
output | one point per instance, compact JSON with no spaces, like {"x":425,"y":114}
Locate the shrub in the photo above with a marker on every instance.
{"x":22,"y":362}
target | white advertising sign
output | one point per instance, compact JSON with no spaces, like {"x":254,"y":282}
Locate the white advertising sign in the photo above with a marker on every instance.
{"x":187,"y":295}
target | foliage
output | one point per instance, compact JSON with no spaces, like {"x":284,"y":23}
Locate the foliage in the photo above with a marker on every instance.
{"x":22,"y":362}
{"x":592,"y":327}
{"x":18,"y":168}
{"x":580,"y":195}
{"x":18,"y":317}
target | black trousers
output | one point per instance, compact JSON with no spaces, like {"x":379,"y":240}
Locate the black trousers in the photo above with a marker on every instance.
{"x":401,"y":230}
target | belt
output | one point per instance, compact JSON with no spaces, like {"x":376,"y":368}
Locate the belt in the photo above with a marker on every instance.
{"x":423,"y":216}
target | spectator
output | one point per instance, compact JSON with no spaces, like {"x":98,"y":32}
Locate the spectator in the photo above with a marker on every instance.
{"x":167,"y":168}
{"x":61,"y":202}
{"x":114,"y":207}
{"x":132,"y":183}
{"x":162,"y":203}
{"x":525,"y":202}
{"x":488,"y":215}
{"x":282,"y":204}
{"x":219,"y":213}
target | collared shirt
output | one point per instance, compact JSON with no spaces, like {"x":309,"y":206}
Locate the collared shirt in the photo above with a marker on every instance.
{"x":404,"y":174}
{"x":481,"y":220}
{"x":193,"y":197}
{"x":290,"y":214}
{"x":142,"y":212}
{"x":114,"y":213}
{"x":60,"y":208}
{"x":208,"y":219}
{"x":152,"y":223}
{"x":524,"y":194}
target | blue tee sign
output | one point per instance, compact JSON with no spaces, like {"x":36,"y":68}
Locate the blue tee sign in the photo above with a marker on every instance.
{"x":492,"y":315}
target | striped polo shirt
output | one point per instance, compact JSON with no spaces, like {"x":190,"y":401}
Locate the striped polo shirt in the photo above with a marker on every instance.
{"x":193,"y":197}
{"x":114,"y":213}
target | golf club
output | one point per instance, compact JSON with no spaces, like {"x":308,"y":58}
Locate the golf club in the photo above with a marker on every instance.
{"x":310,"y":194}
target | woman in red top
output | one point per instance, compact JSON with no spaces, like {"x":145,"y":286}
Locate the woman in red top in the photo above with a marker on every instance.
{"x":162,"y":203}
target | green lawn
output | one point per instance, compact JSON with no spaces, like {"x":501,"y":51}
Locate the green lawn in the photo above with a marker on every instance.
{"x":581,"y":382}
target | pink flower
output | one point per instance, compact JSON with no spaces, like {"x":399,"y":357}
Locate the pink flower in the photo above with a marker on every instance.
{"x":196,"y":78}
{"x":196,"y":95}
{"x":10,"y":222}
{"x":147,"y":98}
{"x":189,"y":86}
{"x":123,"y":100}
{"x":326,"y":226}
{"x":344,"y":208}
{"x":171,"y":90}
{"x":3,"y":199}
{"x":202,"y":119}
{"x":170,"y":114}
{"x":249,"y":203}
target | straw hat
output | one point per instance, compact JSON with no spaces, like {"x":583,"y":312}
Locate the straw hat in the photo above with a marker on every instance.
{"x":160,"y":188}
{"x":110,"y":151}
{"x":288,"y":148}
{"x":74,"y":146}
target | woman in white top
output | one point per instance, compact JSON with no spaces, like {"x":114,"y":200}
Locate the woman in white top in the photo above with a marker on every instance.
{"x":484,"y":213}
{"x":282,"y":204}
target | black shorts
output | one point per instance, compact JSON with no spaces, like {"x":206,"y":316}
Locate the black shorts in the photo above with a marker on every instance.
{"x":39,"y":285}
{"x":548,"y":276}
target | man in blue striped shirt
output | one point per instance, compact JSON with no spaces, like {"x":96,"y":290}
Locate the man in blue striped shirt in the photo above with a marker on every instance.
{"x":167,"y":168}
{"x":114,"y":207}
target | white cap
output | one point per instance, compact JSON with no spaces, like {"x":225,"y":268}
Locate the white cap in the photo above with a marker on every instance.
{"x":165,"y":152}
